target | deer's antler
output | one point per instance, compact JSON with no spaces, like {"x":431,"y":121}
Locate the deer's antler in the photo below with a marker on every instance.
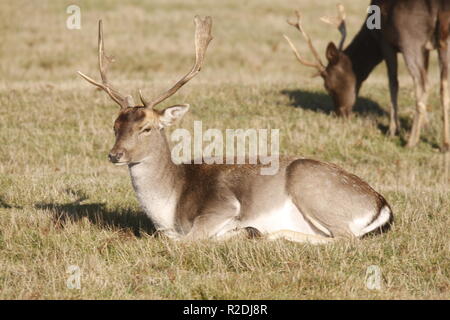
{"x":339,"y":23}
{"x":202,"y":39}
{"x":103,"y":63}
{"x":298,"y":25}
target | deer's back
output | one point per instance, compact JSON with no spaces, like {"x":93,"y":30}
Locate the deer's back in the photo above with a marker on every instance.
{"x":408,"y":23}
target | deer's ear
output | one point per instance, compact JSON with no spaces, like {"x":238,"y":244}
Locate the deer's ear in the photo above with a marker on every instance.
{"x":332,"y":53}
{"x":171,"y":114}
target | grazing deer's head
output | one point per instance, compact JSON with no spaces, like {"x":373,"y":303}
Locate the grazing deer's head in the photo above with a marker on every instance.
{"x":138,"y":127}
{"x":339,"y":78}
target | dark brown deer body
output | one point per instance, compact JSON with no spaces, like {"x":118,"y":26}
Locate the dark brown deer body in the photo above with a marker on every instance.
{"x":411,"y":27}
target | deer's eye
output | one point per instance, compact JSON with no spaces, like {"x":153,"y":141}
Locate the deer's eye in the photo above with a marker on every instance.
{"x":146,"y":130}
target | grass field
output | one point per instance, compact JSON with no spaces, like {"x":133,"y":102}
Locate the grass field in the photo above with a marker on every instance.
{"x":62,"y":203}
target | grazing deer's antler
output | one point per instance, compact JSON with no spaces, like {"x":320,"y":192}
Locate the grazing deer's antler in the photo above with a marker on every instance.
{"x":202,"y":39}
{"x":103,"y":63}
{"x":298,"y":25}
{"x":338,"y":22}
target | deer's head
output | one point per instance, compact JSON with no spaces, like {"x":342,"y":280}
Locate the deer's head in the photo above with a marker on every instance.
{"x":139,"y":128}
{"x":339,"y":78}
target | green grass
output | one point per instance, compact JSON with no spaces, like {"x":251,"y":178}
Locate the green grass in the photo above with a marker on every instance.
{"x":62,"y":203}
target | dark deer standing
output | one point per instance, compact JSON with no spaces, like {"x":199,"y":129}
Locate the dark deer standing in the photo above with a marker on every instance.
{"x":411,"y":27}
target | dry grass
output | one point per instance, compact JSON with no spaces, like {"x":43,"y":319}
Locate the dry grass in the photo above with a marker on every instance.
{"x":62,"y":203}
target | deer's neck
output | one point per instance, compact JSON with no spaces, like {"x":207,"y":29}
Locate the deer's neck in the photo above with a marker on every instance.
{"x":158,"y":183}
{"x":365,"y":54}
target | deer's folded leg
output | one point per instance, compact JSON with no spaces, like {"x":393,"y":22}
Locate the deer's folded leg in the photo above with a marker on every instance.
{"x":299,"y":237}
{"x":218,"y":217}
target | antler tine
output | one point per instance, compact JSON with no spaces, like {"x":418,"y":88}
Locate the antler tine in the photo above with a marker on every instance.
{"x":298,"y":25}
{"x":202,"y":39}
{"x":339,"y":23}
{"x":103,"y":63}
{"x":299,"y":57}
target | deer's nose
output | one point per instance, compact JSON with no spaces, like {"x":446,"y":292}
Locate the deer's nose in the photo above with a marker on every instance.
{"x":115,"y":157}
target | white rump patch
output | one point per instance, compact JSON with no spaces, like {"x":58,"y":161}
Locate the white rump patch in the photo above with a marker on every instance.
{"x":359,"y":226}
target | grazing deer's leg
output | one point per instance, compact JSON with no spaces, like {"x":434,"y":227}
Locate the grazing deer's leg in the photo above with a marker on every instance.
{"x":299,"y":237}
{"x":419,"y":116}
{"x":390,"y":57}
{"x":426,"y":56}
{"x":416,"y":62}
{"x":443,"y":52}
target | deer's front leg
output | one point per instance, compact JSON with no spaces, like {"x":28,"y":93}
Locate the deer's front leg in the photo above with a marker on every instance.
{"x":444,"y":51}
{"x":215,"y":219}
{"x":390,"y":57}
{"x":299,"y":237}
{"x":416,"y":61}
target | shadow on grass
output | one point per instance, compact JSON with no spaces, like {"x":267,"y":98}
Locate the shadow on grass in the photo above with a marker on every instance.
{"x":321,"y":102}
{"x":405,"y":127}
{"x":4,"y":204}
{"x":127,"y":220}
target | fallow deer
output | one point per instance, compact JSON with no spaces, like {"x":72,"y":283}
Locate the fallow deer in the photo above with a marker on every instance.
{"x":411,"y":27}
{"x":305,"y":201}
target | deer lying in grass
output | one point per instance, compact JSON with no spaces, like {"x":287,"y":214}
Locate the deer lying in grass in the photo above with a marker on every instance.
{"x":306,"y":201}
{"x":411,"y":27}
